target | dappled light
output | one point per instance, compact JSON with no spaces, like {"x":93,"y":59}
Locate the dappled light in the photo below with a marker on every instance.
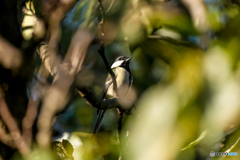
{"x":119,"y":80}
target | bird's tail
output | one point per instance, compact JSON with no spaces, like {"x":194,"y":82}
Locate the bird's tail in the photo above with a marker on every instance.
{"x":100,"y":116}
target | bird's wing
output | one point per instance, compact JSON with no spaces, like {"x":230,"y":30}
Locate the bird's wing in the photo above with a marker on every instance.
{"x":100,"y":113}
{"x":130,"y":80}
{"x":106,"y":86}
{"x":100,"y":117}
{"x":108,"y":83}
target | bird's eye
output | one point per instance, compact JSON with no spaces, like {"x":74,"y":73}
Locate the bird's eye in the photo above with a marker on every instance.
{"x":121,"y":58}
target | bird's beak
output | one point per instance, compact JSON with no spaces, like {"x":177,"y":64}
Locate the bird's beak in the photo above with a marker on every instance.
{"x":128,"y":59}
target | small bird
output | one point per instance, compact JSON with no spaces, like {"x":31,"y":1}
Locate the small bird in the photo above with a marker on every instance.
{"x":123,"y":76}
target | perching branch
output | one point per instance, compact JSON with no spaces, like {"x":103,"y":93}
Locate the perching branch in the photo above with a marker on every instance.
{"x":102,"y":53}
{"x":120,"y":118}
{"x":95,"y":101}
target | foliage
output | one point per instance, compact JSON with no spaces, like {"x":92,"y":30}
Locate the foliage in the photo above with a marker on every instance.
{"x":185,"y":66}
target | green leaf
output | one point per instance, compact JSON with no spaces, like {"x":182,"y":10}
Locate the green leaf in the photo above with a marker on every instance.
{"x":192,"y":144}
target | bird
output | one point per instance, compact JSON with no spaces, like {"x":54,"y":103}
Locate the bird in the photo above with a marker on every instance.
{"x":124,"y":78}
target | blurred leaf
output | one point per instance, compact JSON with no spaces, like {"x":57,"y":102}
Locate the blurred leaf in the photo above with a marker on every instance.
{"x":168,"y":49}
{"x":79,"y":9}
{"x":64,"y":149}
{"x":192,"y":144}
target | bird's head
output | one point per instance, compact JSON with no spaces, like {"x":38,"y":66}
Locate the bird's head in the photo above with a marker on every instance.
{"x":121,"y":61}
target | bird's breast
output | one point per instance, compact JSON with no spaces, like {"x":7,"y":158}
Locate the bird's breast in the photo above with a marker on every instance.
{"x":123,"y":82}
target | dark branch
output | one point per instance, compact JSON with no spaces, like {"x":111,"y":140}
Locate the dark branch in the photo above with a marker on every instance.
{"x":120,"y":118}
{"x":102,"y":48}
{"x":97,"y":102}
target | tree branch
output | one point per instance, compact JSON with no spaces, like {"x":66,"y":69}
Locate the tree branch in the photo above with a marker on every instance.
{"x":6,"y":138}
{"x":102,"y":48}
{"x":95,"y":101}
{"x":13,"y":58}
{"x":7,"y":118}
{"x":28,"y":120}
{"x":110,"y":6}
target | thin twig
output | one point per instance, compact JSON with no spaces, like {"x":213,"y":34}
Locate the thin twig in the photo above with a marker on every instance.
{"x":110,"y":6}
{"x":102,"y":47}
{"x":120,"y":118}
{"x":102,"y":53}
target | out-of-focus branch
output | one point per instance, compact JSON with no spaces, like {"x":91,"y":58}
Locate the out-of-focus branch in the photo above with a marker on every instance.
{"x":175,"y":42}
{"x":6,"y":138}
{"x":7,"y":118}
{"x":64,"y":75}
{"x":120,"y":118}
{"x":62,"y":7}
{"x":28,"y":120}
{"x":10,"y":56}
{"x":57,"y":96}
{"x":198,"y":13}
{"x":54,"y":12}
{"x":110,"y":6}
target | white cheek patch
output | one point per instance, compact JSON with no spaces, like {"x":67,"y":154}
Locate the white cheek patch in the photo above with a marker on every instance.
{"x":117,"y":64}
